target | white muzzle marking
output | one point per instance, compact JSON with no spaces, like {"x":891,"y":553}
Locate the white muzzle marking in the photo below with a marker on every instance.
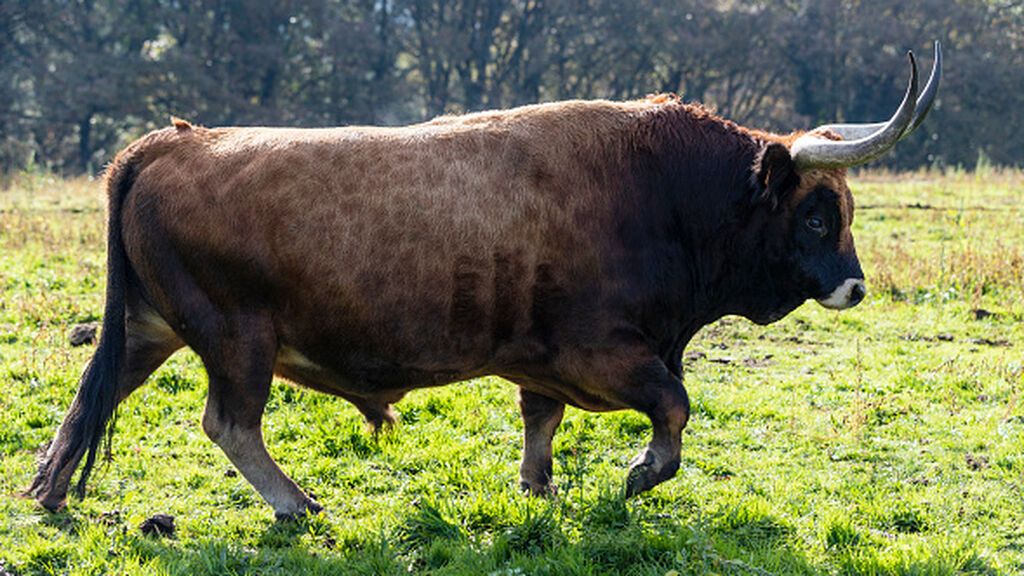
{"x":842,"y":297}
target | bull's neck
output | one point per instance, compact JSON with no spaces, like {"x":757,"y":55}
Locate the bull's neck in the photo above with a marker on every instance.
{"x":703,"y":226}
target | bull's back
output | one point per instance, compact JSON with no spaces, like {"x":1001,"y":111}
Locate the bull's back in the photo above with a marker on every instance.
{"x":433,"y":251}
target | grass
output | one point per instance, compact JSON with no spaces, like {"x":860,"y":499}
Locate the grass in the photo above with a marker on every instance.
{"x":883,"y":440}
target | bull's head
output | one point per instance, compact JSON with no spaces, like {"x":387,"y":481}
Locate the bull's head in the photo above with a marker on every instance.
{"x":805,"y":179}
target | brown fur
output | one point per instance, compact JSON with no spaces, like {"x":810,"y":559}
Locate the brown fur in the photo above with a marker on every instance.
{"x":542,"y":244}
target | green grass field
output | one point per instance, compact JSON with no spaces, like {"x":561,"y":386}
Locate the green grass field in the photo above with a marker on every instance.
{"x":887,"y":439}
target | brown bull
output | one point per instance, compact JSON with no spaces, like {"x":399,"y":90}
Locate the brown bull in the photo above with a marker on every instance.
{"x":571,"y":248}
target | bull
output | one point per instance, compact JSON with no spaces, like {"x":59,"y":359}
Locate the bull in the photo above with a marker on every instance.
{"x":571,"y":248}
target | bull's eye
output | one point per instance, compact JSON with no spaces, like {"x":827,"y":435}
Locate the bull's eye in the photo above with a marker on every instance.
{"x":816,"y":224}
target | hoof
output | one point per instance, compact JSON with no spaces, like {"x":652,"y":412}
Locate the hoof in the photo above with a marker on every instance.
{"x":646,"y":473}
{"x":52,"y":503}
{"x":312,"y":508}
{"x":538,"y":490}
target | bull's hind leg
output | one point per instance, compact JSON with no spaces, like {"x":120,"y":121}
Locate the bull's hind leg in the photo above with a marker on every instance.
{"x":541,"y":417}
{"x":150,"y":342}
{"x":240,"y":364}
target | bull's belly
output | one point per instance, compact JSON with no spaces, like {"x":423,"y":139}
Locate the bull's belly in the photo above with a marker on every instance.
{"x":408,"y":346}
{"x":363,"y":376}
{"x":364,"y":384}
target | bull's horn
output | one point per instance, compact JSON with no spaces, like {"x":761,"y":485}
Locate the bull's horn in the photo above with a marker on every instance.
{"x":924,"y":104}
{"x":927,"y":97}
{"x":814,"y":151}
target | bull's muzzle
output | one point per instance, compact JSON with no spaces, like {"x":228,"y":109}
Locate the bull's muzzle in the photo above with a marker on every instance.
{"x":846,"y":295}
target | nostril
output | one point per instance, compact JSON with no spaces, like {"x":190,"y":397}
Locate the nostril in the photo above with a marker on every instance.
{"x":857,"y":293}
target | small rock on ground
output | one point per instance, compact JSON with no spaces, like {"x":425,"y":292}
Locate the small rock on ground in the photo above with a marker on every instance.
{"x":979,"y":462}
{"x":981,"y":314}
{"x":159,"y":525}
{"x":82,"y":334}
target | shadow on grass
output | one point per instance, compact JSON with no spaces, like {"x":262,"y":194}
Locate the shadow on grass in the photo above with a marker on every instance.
{"x":602,"y":534}
{"x":63,"y":520}
{"x":602,"y":537}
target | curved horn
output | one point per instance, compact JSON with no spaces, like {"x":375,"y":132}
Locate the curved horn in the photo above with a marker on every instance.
{"x":813,"y":151}
{"x":927,"y":97}
{"x":923,"y":106}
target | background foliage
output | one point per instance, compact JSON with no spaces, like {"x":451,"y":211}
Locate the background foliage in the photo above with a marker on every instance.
{"x":78,"y":78}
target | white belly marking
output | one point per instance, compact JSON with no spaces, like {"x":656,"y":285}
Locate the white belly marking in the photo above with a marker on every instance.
{"x":292,"y":358}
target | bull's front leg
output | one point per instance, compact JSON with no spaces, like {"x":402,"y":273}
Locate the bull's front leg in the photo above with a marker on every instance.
{"x":541,"y":417}
{"x":659,"y":461}
{"x":648,"y":386}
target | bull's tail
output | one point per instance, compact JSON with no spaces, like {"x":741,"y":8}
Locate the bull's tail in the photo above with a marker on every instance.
{"x":90,"y":417}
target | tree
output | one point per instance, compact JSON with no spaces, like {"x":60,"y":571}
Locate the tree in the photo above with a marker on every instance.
{"x":79,"y":78}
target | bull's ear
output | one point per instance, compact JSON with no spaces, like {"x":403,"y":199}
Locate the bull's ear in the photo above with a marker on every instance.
{"x":774,"y":174}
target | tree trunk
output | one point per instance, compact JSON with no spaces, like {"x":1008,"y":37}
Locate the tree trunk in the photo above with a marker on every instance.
{"x":85,"y":144}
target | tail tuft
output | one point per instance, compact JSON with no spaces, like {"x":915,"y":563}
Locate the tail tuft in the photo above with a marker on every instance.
{"x":90,"y":418}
